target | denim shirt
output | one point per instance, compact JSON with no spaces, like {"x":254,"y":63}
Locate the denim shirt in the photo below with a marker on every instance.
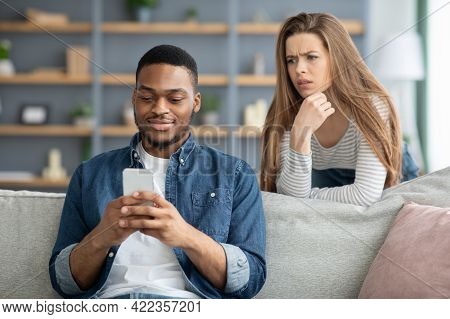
{"x":216,"y":193}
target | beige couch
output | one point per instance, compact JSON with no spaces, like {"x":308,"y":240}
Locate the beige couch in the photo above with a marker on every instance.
{"x":315,"y":249}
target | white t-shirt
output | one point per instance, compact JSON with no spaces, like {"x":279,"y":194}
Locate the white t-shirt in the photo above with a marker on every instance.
{"x":143,"y":263}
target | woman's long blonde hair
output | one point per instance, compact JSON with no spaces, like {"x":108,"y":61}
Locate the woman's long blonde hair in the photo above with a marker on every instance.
{"x":352,"y":89}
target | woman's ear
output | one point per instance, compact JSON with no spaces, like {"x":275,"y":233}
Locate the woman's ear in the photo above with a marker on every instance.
{"x":197,"y":102}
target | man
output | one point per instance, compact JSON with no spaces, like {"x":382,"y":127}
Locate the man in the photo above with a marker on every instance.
{"x":205,"y":235}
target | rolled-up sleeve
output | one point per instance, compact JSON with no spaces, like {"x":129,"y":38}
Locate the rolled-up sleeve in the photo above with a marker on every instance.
{"x":238,"y":269}
{"x":63,"y":273}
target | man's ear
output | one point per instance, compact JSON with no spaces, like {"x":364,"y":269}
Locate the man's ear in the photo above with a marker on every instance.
{"x":133,"y":97}
{"x":197,"y":102}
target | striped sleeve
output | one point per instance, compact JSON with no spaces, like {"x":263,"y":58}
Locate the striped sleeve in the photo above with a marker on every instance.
{"x":370,"y":175}
{"x":295,"y":171}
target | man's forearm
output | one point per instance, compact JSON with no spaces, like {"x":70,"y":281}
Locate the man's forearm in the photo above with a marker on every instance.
{"x":208,"y":256}
{"x":86,"y":261}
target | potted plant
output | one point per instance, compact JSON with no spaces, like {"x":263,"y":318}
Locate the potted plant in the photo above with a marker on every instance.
{"x":83,"y":114}
{"x":210,"y":109}
{"x":6,"y":65}
{"x":191,"y":14}
{"x":142,"y":9}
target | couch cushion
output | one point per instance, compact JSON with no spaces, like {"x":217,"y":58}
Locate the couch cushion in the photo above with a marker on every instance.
{"x":321,"y":249}
{"x":414,"y":261}
{"x":30,"y":222}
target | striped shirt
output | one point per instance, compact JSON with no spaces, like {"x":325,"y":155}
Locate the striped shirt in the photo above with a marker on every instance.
{"x":351,"y":152}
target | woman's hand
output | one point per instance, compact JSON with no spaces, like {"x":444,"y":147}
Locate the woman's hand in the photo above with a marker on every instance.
{"x":313,"y":112}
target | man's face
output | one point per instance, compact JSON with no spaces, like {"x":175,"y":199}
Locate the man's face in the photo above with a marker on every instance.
{"x":164,"y":101}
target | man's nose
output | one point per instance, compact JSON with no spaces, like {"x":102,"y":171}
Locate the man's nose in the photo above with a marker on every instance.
{"x":160,"y":107}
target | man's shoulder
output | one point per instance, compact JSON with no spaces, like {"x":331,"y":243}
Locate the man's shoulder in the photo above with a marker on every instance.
{"x":109,"y":157}
{"x":225,"y":161}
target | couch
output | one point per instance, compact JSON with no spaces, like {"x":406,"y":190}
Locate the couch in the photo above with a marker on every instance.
{"x":315,"y":248}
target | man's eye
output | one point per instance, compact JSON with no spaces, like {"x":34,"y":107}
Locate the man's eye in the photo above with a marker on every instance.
{"x":146,"y":98}
{"x":174,"y":101}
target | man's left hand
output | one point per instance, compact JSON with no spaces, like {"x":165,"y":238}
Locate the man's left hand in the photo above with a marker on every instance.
{"x":162,"y":220}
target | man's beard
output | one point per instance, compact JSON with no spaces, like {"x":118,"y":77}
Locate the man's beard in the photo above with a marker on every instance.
{"x":161,"y":145}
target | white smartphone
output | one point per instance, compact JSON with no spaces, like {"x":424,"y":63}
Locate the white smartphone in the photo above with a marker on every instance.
{"x":137,"y":180}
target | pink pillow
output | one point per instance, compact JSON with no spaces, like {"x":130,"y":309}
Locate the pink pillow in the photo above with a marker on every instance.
{"x":414,"y":261}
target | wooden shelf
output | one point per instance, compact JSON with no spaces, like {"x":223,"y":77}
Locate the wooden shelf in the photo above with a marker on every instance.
{"x":165,"y":27}
{"x":354,"y":27}
{"x":19,"y":26}
{"x":212,"y":131}
{"x":44,"y":130}
{"x":256,"y":80}
{"x":56,"y":79}
{"x":198,"y":131}
{"x":248,"y":132}
{"x":35,"y":182}
{"x":130,"y":79}
{"x":119,"y":130}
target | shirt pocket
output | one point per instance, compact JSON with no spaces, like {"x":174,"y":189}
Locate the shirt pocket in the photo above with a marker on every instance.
{"x":212,"y":212}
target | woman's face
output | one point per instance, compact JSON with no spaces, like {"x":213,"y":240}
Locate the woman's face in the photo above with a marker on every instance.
{"x":308,"y":63}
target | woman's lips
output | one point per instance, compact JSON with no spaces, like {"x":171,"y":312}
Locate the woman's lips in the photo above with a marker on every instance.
{"x":304,"y":84}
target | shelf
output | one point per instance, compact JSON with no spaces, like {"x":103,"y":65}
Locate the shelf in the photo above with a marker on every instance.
{"x":165,"y":27}
{"x":119,"y":130}
{"x":248,"y":132}
{"x":44,"y":130}
{"x":56,"y":79}
{"x":198,"y":131}
{"x":19,"y":26}
{"x":354,"y":27}
{"x":35,"y":182}
{"x":130,"y":79}
{"x":256,"y":80}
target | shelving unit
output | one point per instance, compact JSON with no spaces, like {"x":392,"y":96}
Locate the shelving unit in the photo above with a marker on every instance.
{"x":235,"y":32}
{"x":29,"y":27}
{"x":35,"y":182}
{"x":354,"y":27}
{"x":166,"y":28}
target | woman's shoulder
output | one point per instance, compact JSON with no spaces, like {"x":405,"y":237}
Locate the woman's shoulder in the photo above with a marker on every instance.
{"x":382,"y":107}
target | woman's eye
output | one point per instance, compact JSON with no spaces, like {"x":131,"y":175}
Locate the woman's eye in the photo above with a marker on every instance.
{"x":290,"y":61}
{"x":312,"y":57}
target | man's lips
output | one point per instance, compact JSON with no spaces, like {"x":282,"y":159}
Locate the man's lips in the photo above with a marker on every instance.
{"x":160,"y":124}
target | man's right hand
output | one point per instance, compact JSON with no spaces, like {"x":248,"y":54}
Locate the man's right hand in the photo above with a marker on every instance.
{"x":108,"y":232}
{"x":87,"y":258}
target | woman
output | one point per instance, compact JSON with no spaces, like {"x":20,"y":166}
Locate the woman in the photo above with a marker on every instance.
{"x":332,"y":131}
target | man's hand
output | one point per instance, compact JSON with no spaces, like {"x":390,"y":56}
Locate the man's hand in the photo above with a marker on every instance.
{"x":162,"y":221}
{"x":108,"y":232}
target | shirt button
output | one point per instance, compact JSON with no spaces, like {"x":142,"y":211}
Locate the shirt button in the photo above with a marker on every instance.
{"x":135,"y":155}
{"x":213,"y":195}
{"x":181,"y":161}
{"x":111,"y":254}
{"x":240,"y":262}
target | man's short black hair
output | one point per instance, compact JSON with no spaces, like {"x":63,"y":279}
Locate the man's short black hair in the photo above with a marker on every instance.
{"x":169,"y":54}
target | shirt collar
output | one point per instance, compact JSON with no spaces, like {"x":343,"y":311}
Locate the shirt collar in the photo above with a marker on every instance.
{"x":182,"y":155}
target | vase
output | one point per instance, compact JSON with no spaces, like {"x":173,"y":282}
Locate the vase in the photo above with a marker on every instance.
{"x":143,"y":14}
{"x":210,"y":118}
{"x":7,"y":67}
